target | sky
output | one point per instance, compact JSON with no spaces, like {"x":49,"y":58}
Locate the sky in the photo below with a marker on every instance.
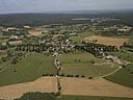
{"x":25,"y":6}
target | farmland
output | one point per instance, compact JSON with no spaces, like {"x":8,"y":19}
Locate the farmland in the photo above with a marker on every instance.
{"x":115,"y":41}
{"x":94,"y":87}
{"x":123,"y":76}
{"x":70,"y":86}
{"x":85,"y":64}
{"x":29,"y":68}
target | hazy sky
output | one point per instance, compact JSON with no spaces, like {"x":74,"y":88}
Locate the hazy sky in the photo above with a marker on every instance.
{"x":19,"y":6}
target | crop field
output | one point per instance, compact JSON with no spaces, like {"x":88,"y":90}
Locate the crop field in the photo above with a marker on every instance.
{"x":85,"y":64}
{"x":94,"y":87}
{"x":29,"y":68}
{"x":44,"y":84}
{"x":123,"y":76}
{"x":113,"y":41}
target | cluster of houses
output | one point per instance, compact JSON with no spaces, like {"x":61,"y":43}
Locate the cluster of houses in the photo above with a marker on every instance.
{"x":11,"y":36}
{"x":98,"y":50}
{"x":49,"y":44}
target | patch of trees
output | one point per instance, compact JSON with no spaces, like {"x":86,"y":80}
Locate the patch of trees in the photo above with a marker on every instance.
{"x":127,"y":45}
{"x":75,"y":76}
{"x":3,"y":47}
{"x":32,"y":47}
{"x":38,"y":96}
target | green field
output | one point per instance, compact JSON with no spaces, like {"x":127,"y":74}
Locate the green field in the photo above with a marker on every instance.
{"x":82,"y":63}
{"x":46,"y":96}
{"x":29,"y":68}
{"x":124,"y":76}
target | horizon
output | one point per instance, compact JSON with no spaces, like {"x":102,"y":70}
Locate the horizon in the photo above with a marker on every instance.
{"x":63,"y":6}
{"x":75,"y":12}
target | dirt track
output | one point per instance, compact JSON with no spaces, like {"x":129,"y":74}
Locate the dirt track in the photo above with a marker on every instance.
{"x":46,"y":84}
{"x":99,"y":87}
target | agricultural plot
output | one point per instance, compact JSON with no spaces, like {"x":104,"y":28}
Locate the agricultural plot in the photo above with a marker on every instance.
{"x":86,"y":64}
{"x":94,"y":87}
{"x":28,"y":68}
{"x":44,"y":84}
{"x":113,"y":41}
{"x":123,"y":76}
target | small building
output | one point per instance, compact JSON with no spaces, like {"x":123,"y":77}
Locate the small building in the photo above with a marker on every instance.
{"x":27,"y":27}
{"x":14,"y":40}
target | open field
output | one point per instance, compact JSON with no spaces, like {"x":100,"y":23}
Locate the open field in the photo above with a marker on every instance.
{"x":113,"y":41}
{"x":29,"y":68}
{"x":124,"y":76}
{"x":85,"y":64}
{"x":46,"y":84}
{"x":98,"y":87}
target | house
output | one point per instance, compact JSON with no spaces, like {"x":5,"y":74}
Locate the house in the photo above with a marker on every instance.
{"x":14,"y":40}
{"x":27,"y":27}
